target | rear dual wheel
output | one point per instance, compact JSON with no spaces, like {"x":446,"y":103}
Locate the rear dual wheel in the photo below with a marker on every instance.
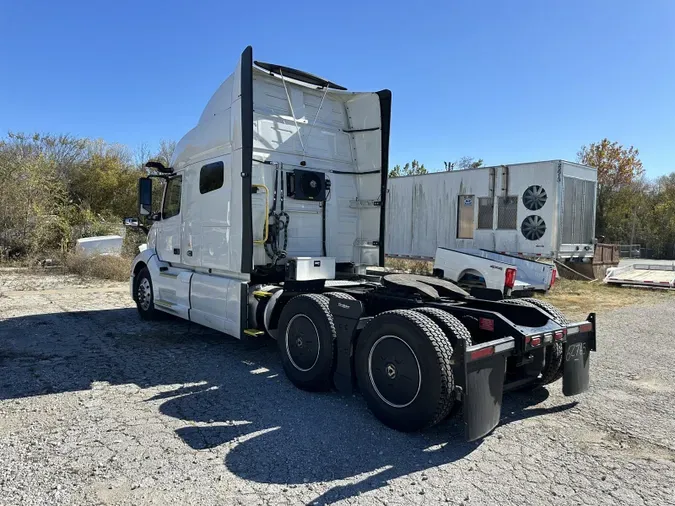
{"x":402,"y":364}
{"x":402,"y":358}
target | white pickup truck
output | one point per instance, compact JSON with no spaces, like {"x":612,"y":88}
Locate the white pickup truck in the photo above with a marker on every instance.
{"x":478,"y":268}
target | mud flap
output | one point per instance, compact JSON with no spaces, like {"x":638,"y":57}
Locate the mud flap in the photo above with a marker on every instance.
{"x":482,"y":382}
{"x":577,"y":350}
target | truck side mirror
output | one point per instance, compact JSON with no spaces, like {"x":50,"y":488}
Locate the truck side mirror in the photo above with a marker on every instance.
{"x":135,"y":224}
{"x":145,"y":196}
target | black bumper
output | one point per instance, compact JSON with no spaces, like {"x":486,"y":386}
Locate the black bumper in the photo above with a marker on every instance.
{"x":481,"y":380}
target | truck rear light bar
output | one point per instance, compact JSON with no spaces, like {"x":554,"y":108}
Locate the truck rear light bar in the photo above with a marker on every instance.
{"x":485,"y":352}
{"x":579,"y":327}
{"x":489,"y":349}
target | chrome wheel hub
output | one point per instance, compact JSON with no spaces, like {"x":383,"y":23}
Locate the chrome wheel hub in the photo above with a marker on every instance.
{"x":144,"y":294}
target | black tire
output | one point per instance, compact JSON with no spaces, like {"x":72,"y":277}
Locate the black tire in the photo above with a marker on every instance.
{"x":144,"y":296}
{"x":555,"y":313}
{"x":556,"y":354}
{"x":339,"y":295}
{"x":454,"y":330}
{"x":449,"y":324}
{"x":307,"y":342}
{"x":553,"y":366}
{"x":516,"y":302}
{"x":402,"y":364}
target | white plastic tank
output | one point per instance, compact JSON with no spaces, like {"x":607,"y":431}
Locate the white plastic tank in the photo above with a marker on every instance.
{"x":101,"y":245}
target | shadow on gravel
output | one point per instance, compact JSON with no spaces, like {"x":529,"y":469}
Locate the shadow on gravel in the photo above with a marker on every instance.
{"x":233,"y":393}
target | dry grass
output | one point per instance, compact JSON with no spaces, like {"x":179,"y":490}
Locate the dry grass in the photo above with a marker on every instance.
{"x":578,"y":298}
{"x":409,"y":266}
{"x":109,"y":267}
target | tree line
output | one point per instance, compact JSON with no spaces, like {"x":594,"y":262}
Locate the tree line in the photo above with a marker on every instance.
{"x":630,"y":208}
{"x":58,"y":188}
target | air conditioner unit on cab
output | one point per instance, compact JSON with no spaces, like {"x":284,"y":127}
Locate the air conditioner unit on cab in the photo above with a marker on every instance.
{"x":306,"y":185}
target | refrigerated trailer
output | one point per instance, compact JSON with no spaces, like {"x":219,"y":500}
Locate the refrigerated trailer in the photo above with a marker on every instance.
{"x":272,"y":209}
{"x":539,"y":209}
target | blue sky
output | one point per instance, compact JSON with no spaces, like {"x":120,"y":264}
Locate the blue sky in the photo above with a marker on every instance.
{"x":506,"y":81}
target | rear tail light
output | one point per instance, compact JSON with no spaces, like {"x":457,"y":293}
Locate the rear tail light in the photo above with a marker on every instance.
{"x":558,"y":335}
{"x":489,"y":351}
{"x":554,"y":274}
{"x":485,"y":352}
{"x":585,"y":327}
{"x":535,"y":341}
{"x":510,"y":278}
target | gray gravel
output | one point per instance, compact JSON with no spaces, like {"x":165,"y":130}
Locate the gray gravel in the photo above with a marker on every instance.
{"x":97,"y":407}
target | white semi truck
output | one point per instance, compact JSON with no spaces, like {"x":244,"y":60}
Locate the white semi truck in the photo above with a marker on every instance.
{"x":273,"y":207}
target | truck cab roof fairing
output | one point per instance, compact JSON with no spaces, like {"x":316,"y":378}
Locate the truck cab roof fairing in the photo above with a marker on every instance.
{"x":298,"y":75}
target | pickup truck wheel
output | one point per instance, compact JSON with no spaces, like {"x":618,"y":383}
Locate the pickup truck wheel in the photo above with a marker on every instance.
{"x":306,"y":340}
{"x":555,"y":355}
{"x":144,"y":296}
{"x":402,"y":364}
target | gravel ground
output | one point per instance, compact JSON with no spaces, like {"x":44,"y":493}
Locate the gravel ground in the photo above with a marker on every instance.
{"x":98,"y":407}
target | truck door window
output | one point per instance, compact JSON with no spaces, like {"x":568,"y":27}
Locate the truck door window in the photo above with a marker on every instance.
{"x":211,"y":177}
{"x":465,"y":215}
{"x":172,"y":197}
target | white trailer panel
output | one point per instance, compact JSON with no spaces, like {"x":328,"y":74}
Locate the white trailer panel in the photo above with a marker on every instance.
{"x":542,"y":209}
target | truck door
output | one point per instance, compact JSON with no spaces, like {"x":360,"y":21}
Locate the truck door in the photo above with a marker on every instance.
{"x":168,"y":235}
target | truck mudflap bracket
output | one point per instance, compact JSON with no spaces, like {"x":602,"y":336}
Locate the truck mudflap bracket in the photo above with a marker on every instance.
{"x":576,"y":351}
{"x":348,"y":319}
{"x":479,"y":375}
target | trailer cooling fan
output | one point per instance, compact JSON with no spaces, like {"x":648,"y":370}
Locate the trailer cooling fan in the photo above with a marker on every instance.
{"x":534,"y":197}
{"x":533,"y":227}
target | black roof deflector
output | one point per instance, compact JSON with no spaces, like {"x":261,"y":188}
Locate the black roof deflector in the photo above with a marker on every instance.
{"x":298,"y":75}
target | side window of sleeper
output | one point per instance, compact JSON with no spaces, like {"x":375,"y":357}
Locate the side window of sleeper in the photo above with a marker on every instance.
{"x":211,"y":177}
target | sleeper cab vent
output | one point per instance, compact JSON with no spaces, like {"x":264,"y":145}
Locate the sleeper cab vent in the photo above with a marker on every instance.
{"x":306,"y":185}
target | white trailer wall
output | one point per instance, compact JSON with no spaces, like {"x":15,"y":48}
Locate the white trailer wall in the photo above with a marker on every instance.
{"x":422,"y":211}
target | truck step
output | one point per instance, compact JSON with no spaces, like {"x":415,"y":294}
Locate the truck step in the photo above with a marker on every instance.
{"x":262,"y":294}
